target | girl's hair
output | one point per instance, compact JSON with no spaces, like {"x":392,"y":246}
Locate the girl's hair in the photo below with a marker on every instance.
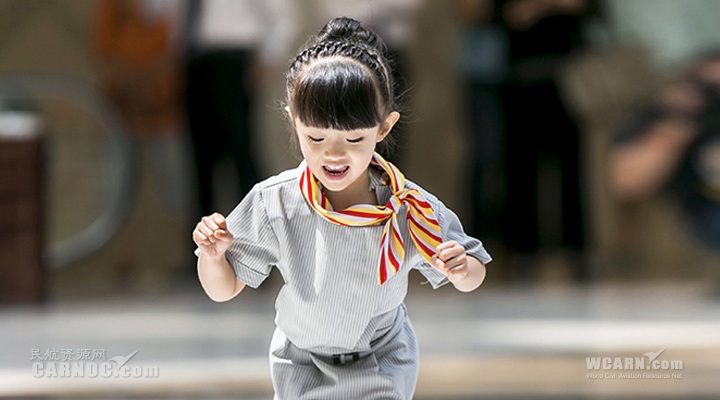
{"x":342,"y":79}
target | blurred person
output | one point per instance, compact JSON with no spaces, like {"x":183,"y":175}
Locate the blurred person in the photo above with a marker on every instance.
{"x":394,"y":21}
{"x":483,"y":63}
{"x":344,"y":228}
{"x":231,"y":46}
{"x":542,"y":142}
{"x":137,"y":44}
{"x":674,"y":145}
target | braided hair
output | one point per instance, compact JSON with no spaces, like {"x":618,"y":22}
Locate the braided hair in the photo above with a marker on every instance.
{"x":342,"y":80}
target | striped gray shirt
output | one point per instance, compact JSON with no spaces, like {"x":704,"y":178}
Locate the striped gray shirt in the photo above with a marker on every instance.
{"x":331,"y":301}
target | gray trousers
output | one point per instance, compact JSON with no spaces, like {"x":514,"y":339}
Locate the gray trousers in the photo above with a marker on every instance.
{"x":388,"y":370}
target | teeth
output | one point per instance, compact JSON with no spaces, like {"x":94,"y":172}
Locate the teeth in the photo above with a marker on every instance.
{"x":335,"y":168}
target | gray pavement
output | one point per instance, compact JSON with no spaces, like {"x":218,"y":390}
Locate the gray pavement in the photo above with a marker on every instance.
{"x":505,"y":342}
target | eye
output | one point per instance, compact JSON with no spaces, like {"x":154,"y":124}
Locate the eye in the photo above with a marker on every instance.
{"x":357,"y":140}
{"x":315,"y":140}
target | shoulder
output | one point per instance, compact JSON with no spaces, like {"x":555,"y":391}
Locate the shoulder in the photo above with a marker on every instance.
{"x":281,"y":181}
{"x":431,"y":198}
{"x":445,"y":215}
{"x":278,"y":194}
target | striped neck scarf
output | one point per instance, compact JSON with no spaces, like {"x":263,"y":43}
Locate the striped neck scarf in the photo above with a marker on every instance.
{"x":422,"y":223}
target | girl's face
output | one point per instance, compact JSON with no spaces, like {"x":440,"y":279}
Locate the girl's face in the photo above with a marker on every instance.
{"x":340,"y":158}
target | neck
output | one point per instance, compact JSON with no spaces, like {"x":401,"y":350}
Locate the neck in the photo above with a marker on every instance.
{"x":356,"y":193}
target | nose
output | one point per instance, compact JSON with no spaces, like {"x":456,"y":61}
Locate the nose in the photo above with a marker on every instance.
{"x":336,"y":149}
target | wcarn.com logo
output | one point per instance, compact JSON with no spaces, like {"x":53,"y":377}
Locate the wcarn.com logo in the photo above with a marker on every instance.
{"x":86,"y":363}
{"x":649,"y":366}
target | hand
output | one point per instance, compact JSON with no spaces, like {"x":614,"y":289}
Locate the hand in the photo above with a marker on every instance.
{"x":451,"y":259}
{"x":211,"y":235}
{"x":683,"y":98}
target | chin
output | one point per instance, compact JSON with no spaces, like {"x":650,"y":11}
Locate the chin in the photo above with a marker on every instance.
{"x":335,"y":186}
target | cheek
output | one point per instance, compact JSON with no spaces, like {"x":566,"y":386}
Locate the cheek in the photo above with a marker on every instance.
{"x":304,"y":147}
{"x":370,"y":147}
{"x":312,"y":154}
{"x":363,"y":154}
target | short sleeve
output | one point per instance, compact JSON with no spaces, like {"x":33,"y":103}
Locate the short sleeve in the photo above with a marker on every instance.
{"x":451,"y":229}
{"x":255,"y":248}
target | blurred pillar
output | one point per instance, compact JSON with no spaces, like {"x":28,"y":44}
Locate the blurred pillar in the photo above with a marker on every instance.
{"x":21,"y":208}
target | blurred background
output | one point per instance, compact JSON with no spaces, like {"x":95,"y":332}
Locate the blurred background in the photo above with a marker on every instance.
{"x":578,"y":139}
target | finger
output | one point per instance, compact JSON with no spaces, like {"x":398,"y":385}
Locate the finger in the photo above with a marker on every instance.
{"x":456,"y":262}
{"x":223,"y":235}
{"x":205,"y":230}
{"x":209,"y":221}
{"x":445,"y":245}
{"x":209,"y":236}
{"x":439,"y":264}
{"x":454,"y":257}
{"x":219,"y":220}
{"x":200,"y":239}
{"x":451,"y":252}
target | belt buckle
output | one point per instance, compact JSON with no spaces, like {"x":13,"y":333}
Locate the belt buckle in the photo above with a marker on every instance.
{"x":345,"y":358}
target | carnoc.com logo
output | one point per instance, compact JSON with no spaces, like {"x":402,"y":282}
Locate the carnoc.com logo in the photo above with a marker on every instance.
{"x":87,"y":363}
{"x":649,"y":366}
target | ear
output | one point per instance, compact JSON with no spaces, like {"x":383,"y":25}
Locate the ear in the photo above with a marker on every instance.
{"x":290,"y":116}
{"x":387,"y":126}
{"x":289,"y":113}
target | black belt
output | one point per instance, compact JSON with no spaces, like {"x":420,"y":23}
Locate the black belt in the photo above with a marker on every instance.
{"x":345,"y":358}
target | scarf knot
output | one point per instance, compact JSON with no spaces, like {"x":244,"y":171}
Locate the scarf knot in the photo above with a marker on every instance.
{"x":394,"y":204}
{"x":422,"y":223}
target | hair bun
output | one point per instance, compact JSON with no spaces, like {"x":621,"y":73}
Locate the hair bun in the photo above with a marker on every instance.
{"x":344,"y":29}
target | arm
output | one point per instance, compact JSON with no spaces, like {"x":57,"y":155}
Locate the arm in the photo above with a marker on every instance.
{"x":465,"y":272}
{"x":642,"y":166}
{"x":216,"y":275}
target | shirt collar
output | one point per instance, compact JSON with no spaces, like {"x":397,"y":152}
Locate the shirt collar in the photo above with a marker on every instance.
{"x":377,"y":178}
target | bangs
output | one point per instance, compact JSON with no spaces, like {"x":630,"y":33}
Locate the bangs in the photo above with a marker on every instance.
{"x":337,"y":93}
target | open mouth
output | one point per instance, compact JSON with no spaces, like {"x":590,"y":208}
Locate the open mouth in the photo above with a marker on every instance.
{"x":335,"y":171}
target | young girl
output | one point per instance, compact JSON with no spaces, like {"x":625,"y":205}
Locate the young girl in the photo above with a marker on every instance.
{"x":344,"y":229}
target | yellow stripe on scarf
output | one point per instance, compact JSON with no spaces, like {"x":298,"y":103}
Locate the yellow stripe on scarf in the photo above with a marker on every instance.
{"x":422,"y":222}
